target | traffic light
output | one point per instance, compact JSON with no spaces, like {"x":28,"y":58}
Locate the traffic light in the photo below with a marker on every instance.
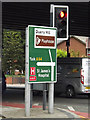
{"x":60,"y":20}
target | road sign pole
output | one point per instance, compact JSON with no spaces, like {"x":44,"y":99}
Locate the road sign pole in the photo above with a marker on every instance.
{"x":27,"y":86}
{"x":51,"y":98}
{"x":51,"y":89}
{"x":27,"y":99}
{"x":44,"y":97}
{"x":31,"y":95}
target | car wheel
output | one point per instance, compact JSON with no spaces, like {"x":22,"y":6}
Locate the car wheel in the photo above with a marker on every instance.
{"x":70,"y":92}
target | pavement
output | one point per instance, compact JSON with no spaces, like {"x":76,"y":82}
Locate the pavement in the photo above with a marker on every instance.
{"x":35,"y":112}
{"x":18,"y":110}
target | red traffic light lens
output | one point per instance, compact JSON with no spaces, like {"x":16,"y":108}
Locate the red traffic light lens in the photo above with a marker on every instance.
{"x":62,"y":14}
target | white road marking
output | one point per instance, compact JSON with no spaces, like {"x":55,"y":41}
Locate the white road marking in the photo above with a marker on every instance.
{"x":71,"y":108}
{"x":65,"y":110}
{"x":36,"y":104}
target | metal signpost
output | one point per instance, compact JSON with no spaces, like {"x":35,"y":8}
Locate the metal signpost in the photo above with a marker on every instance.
{"x":40,"y":61}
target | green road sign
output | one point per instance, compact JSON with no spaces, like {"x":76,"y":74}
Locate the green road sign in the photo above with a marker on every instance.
{"x":42,"y":54}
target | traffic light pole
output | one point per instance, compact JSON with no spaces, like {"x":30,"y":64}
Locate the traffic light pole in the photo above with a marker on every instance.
{"x":68,"y":44}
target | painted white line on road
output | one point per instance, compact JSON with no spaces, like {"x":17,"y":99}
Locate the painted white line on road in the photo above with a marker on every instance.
{"x":62,"y":109}
{"x":66,"y":110}
{"x":71,"y":108}
{"x":36,"y":104}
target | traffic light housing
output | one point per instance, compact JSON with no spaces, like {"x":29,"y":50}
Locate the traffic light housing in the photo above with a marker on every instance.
{"x":60,"y":20}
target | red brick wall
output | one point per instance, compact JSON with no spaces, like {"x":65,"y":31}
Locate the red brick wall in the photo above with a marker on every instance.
{"x":9,"y":80}
{"x":88,"y":43}
{"x":15,"y":80}
{"x":75,"y":45}
{"x":62,"y":46}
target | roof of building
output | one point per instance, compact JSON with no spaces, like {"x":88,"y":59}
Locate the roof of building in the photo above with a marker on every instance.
{"x":81,"y":39}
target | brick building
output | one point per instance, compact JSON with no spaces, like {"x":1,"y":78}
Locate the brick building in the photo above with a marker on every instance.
{"x":77,"y":44}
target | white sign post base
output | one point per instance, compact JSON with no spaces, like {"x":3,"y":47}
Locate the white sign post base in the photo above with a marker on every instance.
{"x":27,"y":99}
{"x":51,"y":98}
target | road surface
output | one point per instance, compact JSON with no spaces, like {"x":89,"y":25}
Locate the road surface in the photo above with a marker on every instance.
{"x":79,"y":105}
